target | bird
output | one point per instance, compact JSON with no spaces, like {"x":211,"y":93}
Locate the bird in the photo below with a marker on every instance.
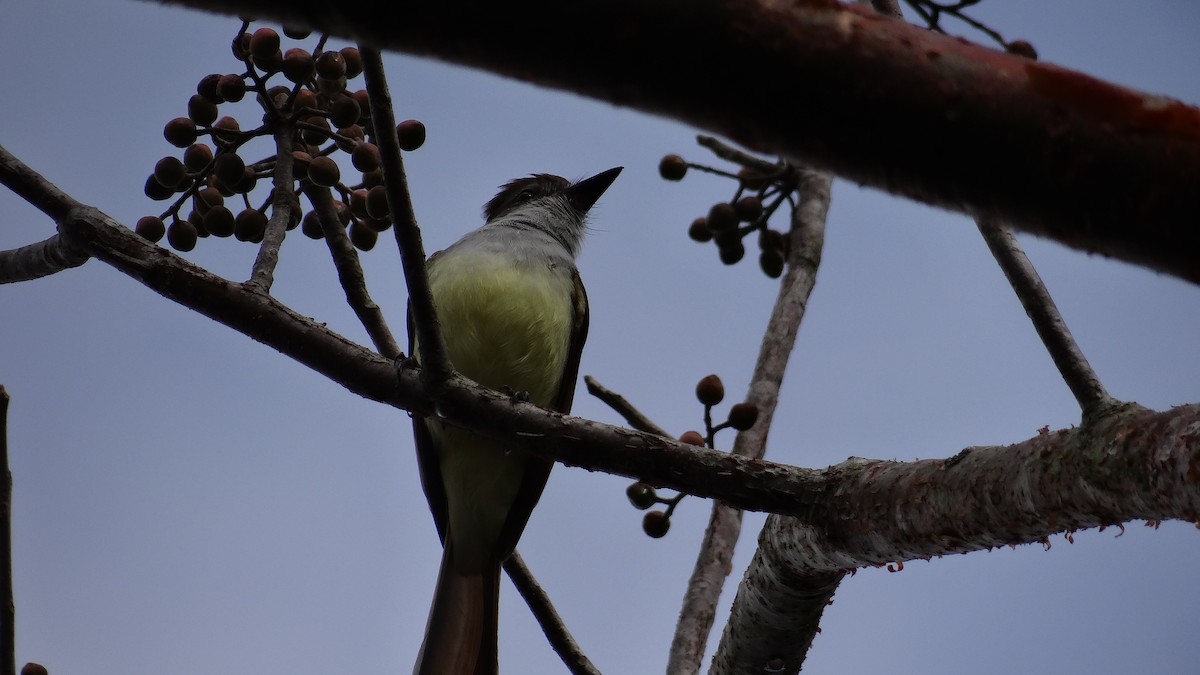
{"x":514,"y":317}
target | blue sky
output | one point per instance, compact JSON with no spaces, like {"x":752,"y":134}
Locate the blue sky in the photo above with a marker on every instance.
{"x":188,"y":501}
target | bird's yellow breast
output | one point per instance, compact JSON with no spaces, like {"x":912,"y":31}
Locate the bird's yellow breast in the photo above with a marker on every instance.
{"x":505,"y":324}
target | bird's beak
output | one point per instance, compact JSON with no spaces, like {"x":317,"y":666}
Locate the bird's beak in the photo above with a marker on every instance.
{"x":584,"y":194}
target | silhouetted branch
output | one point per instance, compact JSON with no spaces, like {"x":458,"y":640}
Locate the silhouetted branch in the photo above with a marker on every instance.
{"x":8,"y":608}
{"x":547,"y":617}
{"x":634,"y":417}
{"x":1071,"y":363}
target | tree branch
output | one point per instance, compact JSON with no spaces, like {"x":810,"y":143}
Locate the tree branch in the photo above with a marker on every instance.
{"x":552,"y":624}
{"x":435,"y":366}
{"x":634,"y":417}
{"x":1068,"y":358}
{"x":350,"y":274}
{"x":1092,"y":165}
{"x":8,"y":608}
{"x":982,"y":497}
{"x":807,"y":240}
{"x":262,"y":275}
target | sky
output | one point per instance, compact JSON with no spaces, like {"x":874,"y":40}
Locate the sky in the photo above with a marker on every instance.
{"x":188,"y":501}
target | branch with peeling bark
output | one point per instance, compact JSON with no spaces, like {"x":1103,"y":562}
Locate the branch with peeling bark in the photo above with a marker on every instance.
{"x":1054,"y":152}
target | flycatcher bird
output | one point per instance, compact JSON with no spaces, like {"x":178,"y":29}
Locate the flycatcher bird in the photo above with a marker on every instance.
{"x":514,"y":315}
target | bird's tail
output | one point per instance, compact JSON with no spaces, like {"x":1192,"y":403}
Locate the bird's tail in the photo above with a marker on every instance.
{"x":462,"y":633}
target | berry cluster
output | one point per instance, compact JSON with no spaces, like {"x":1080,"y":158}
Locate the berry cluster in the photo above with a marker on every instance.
{"x":710,"y":391}
{"x":314,"y":112}
{"x":759,"y":194}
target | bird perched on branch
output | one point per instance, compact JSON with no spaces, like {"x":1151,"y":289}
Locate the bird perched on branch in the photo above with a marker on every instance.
{"x":514,"y":316}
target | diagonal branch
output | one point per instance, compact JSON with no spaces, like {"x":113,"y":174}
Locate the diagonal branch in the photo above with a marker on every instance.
{"x":807,"y":240}
{"x":436,"y":367}
{"x":1071,"y":363}
{"x":350,"y":274}
{"x":8,"y":608}
{"x":1050,"y":151}
{"x":547,"y":617}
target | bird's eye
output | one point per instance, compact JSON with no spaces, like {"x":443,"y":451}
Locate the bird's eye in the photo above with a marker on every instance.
{"x":525,"y":195}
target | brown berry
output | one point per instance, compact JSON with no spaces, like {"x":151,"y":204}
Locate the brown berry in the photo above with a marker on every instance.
{"x":710,"y":390}
{"x":377,"y":204}
{"x":411,"y":134}
{"x":742,"y":416}
{"x":298,"y":65}
{"x":300,"y":162}
{"x":324,"y":171}
{"x":226,"y":129}
{"x":296,"y":32}
{"x":361,"y":236}
{"x":771,"y":262}
{"x":311,"y":226}
{"x":156,"y":190}
{"x":180,"y":132}
{"x":241,"y":47}
{"x":197,"y":156}
{"x":207,"y":87}
{"x":358,"y":203}
{"x":170,"y":172}
{"x":344,"y":111}
{"x":372,"y":178}
{"x":732,"y":253}
{"x":641,"y":495}
{"x":699,"y":231}
{"x":748,"y":208}
{"x":181,"y":235}
{"x":201,"y":110}
{"x":316,"y":130}
{"x":229,"y":168}
{"x":350,"y":137}
{"x":354,"y":64}
{"x":150,"y":228}
{"x":721,"y":217}
{"x":331,"y":65}
{"x":264,"y":43}
{"x":378,"y":224}
{"x":305,"y":98}
{"x":672,"y":167}
{"x":365,"y":157}
{"x":219,"y":221}
{"x":32,"y":668}
{"x":692,"y":438}
{"x":656,"y":524}
{"x":231,"y":87}
{"x":751,"y":179}
{"x":1022,"y":48}
{"x":270,"y":63}
{"x":250,"y":225}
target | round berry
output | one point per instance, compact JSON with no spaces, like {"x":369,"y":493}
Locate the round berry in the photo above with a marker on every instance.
{"x":180,"y":132}
{"x":298,"y":65}
{"x":656,"y":524}
{"x":150,"y":228}
{"x":361,"y":236}
{"x":264,"y":43}
{"x":377,"y":204}
{"x":710,"y":390}
{"x":219,"y":221}
{"x":250,"y":225}
{"x":742,"y":416}
{"x":672,"y":167}
{"x":721,"y":217}
{"x":181,"y":235}
{"x":197,"y":156}
{"x":311,"y":226}
{"x":365,"y":157}
{"x":748,"y":208}
{"x":354,"y":64}
{"x":324,"y":171}
{"x":699,"y":231}
{"x":641,"y":495}
{"x":411,"y":134}
{"x":732,"y":253}
{"x":170,"y":172}
{"x":201,"y":110}
{"x":231,"y":87}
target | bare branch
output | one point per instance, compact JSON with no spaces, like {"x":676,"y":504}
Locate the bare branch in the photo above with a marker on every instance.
{"x":8,"y":608}
{"x":807,"y":240}
{"x":623,"y":407}
{"x":1038,"y":140}
{"x":434,"y":364}
{"x":282,"y":202}
{"x":350,"y":274}
{"x":552,"y":624}
{"x":1071,"y":363}
{"x":38,"y":260}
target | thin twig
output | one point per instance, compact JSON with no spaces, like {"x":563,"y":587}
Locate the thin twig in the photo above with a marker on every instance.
{"x":552,"y":624}
{"x":623,"y":407}
{"x":1068,"y":358}
{"x":8,"y":608}
{"x":350,"y":274}
{"x":738,"y":156}
{"x":262,"y":276}
{"x":807,"y":240}
{"x":435,"y":367}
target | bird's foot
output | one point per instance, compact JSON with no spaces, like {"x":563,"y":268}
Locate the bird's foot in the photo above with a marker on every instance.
{"x":514,"y":395}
